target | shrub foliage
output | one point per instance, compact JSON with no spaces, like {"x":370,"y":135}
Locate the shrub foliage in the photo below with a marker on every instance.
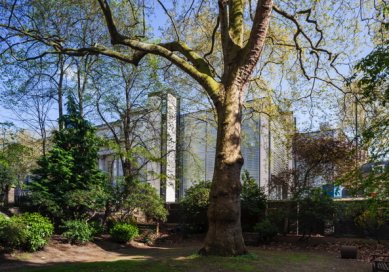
{"x":195,"y":204}
{"x":123,"y":232}
{"x":77,"y":231}
{"x":315,"y":208}
{"x":266,"y":230}
{"x":30,"y":231}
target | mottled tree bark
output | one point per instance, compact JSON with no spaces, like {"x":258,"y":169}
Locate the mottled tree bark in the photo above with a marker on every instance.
{"x":224,"y":235}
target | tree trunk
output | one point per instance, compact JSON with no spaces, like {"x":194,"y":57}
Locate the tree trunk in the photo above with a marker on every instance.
{"x":44,"y":140}
{"x":224,"y":236}
{"x":127,"y":170}
{"x":60,"y":92}
{"x":7,"y":188}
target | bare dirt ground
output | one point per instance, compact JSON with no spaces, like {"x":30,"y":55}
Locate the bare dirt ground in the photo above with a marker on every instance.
{"x":104,"y":250}
{"x":57,"y":251}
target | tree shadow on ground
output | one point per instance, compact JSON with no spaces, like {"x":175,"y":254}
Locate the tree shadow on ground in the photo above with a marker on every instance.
{"x":135,"y":257}
{"x":139,"y":249}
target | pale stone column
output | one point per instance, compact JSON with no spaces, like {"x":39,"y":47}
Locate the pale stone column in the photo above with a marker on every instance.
{"x":167,"y":103}
{"x":171,"y":144}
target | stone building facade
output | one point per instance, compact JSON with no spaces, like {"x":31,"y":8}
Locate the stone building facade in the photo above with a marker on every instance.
{"x":185,"y":144}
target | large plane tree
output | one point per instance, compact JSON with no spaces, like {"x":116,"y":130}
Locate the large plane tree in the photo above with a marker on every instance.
{"x":222,"y":63}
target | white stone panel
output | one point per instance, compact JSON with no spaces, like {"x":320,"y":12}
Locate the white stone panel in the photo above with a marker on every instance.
{"x":171,"y":143}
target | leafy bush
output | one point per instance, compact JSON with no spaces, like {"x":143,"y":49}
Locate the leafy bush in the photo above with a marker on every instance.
{"x":282,"y":217}
{"x":195,"y":204}
{"x":39,"y":230}
{"x":131,"y":197}
{"x":144,"y":197}
{"x":13,"y":235}
{"x":96,"y":227}
{"x":372,"y":219}
{"x":253,"y":201}
{"x":3,"y":220}
{"x":113,"y":220}
{"x":253,"y":198}
{"x":123,"y":232}
{"x":266,"y":230}
{"x":30,"y":231}
{"x":77,"y":231}
{"x":316,"y":208}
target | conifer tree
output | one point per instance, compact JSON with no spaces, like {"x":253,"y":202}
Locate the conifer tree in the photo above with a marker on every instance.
{"x":68,"y":183}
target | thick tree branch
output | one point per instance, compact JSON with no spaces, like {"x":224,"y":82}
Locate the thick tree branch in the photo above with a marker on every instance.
{"x":113,"y":32}
{"x":225,"y":38}
{"x":195,"y":65}
{"x":199,"y":62}
{"x":236,"y":21}
{"x":253,"y":49}
{"x":199,"y":71}
{"x":101,"y":50}
{"x":56,"y":44}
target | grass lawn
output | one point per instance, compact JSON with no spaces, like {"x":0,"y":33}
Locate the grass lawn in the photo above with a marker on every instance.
{"x":257,"y":260}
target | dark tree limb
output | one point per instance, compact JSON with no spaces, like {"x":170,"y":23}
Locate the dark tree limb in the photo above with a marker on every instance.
{"x":301,"y":31}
